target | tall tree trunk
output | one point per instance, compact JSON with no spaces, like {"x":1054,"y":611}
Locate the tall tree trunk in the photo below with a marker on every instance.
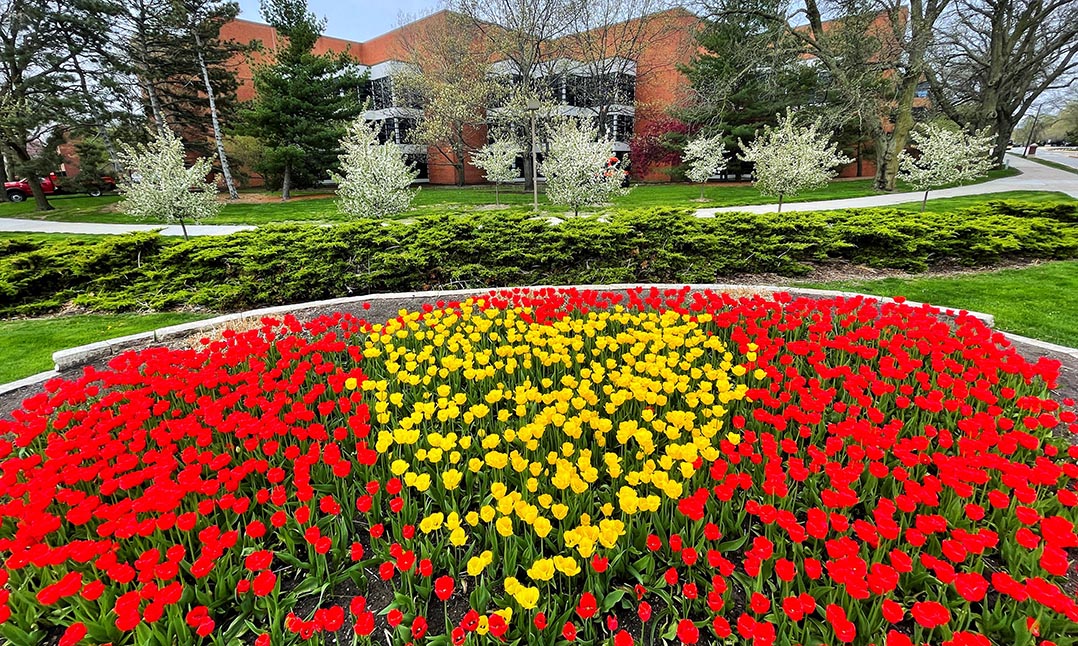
{"x":497,"y":198}
{"x":889,"y":145}
{"x":527,"y":171}
{"x":155,"y":109}
{"x":183,"y":227}
{"x":1003,"y":127}
{"x":3,"y":174}
{"x":924,"y":202}
{"x":458,"y":169}
{"x":780,"y":203}
{"x":286,"y":182}
{"x":217,"y":138}
{"x":40,"y":199}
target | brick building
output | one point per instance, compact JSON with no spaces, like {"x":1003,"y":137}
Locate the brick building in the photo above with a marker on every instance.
{"x":652,"y":82}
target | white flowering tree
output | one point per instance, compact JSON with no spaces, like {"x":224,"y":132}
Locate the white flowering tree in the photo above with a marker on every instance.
{"x":376,"y":181}
{"x":947,"y":156}
{"x":706,"y":157}
{"x":790,"y":159}
{"x":160,"y":185}
{"x":498,"y":160}
{"x":580,"y":168}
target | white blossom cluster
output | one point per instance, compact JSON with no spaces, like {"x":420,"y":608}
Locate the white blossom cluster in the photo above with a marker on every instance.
{"x":790,"y":159}
{"x":580,"y":168}
{"x":947,"y":156}
{"x":497,"y":160}
{"x":376,"y":181}
{"x":705,"y":156}
{"x":160,"y":186}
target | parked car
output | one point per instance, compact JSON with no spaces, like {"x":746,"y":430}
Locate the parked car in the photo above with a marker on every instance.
{"x":19,"y":191}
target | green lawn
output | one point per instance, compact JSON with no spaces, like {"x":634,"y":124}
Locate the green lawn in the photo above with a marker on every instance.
{"x":309,"y":207}
{"x":27,"y":344}
{"x":951,"y":203}
{"x":1039,"y":301}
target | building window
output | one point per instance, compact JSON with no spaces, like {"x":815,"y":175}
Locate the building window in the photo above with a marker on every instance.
{"x":379,"y":92}
{"x":397,"y":130}
{"x":619,"y":127}
{"x":922,"y":90}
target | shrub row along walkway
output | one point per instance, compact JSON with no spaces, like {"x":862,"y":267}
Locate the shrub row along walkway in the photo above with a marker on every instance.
{"x":1034,"y":177}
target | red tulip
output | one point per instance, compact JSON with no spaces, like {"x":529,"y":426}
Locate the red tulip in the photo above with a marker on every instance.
{"x":443,"y":587}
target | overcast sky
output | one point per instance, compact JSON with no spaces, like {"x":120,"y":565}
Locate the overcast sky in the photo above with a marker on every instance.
{"x":355,"y":19}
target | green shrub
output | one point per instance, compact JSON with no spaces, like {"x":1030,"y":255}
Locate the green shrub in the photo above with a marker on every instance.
{"x":287,"y":264}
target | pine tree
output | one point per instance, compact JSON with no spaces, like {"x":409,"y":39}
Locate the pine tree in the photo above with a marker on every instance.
{"x":40,"y":92}
{"x":745,"y":75}
{"x":304,"y":101}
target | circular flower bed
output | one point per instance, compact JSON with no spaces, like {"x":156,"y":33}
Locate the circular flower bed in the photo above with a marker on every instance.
{"x":548,"y":467}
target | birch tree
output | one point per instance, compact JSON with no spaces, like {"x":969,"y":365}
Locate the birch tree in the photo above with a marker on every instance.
{"x":161,"y":187}
{"x":376,"y":180}
{"x":705,"y":156}
{"x":947,"y":156}
{"x":789,"y":159}
{"x":197,"y":14}
{"x":497,"y":160}
{"x":580,"y":168}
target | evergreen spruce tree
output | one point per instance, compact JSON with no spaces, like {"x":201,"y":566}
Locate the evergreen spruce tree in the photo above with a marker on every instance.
{"x":304,"y":101}
{"x":744,"y":79}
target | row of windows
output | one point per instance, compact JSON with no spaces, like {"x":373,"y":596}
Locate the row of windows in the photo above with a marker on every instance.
{"x":614,"y":88}
{"x":594,"y":91}
{"x":382,"y":95}
{"x":396,"y":130}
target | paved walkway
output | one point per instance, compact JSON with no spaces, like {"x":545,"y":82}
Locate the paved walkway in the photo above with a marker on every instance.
{"x":45,"y":226}
{"x":1034,"y":177}
{"x":1060,"y":156}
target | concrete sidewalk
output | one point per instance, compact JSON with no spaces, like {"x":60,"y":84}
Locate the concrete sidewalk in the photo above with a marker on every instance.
{"x":14,"y":225}
{"x":1034,"y":177}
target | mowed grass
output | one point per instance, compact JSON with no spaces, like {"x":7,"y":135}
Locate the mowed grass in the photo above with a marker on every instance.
{"x":1039,"y":301}
{"x":944,"y":204}
{"x":258,"y":208}
{"x":27,"y":344}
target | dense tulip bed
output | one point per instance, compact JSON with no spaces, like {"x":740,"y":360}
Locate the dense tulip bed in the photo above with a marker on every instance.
{"x":551,"y":467}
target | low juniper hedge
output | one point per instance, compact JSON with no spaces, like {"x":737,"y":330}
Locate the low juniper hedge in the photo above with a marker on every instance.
{"x":551,"y":468}
{"x":284,"y":264}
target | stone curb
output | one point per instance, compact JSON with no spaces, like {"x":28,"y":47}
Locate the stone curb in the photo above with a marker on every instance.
{"x":387,"y":306}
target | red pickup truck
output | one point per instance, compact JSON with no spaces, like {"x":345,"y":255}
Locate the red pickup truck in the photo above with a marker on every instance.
{"x":19,"y":191}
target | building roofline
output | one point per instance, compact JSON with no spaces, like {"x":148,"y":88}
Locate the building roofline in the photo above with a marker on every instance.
{"x":673,"y":10}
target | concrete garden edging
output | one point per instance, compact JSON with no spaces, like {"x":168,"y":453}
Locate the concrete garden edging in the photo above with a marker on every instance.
{"x":385,"y":306}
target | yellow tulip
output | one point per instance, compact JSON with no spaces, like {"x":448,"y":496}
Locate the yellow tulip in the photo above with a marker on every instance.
{"x":527,"y":597}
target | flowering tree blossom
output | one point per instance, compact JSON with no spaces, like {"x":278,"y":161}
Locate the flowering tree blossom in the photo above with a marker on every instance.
{"x":580,"y":168}
{"x":376,"y":180}
{"x":497,"y":160}
{"x":947,"y":157}
{"x":789,"y":158}
{"x":161,"y":186}
{"x":706,"y":156}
